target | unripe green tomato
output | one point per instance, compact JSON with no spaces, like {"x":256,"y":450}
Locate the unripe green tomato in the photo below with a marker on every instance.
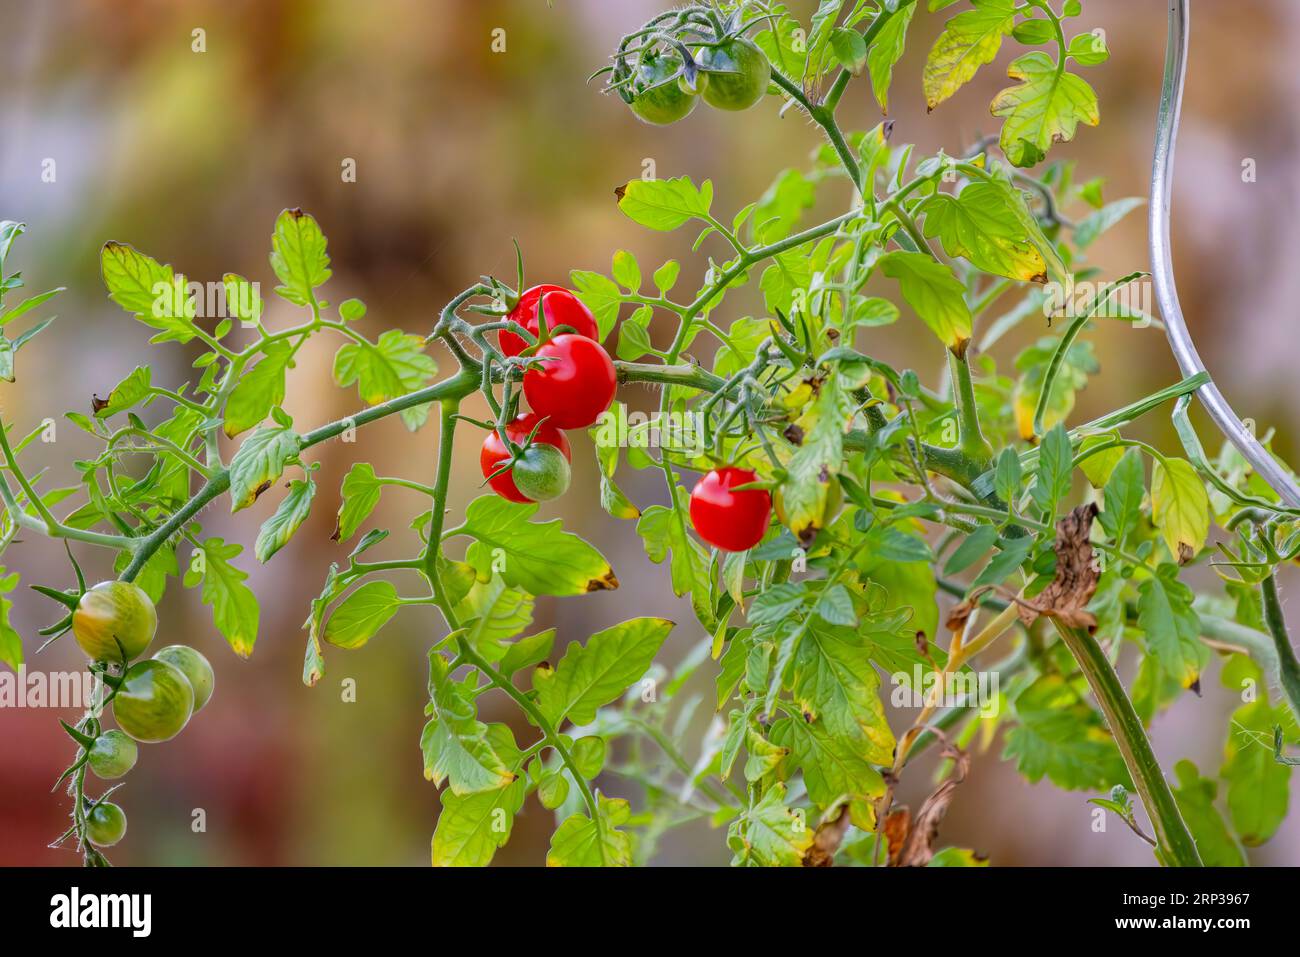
{"x":193,"y":666}
{"x":738,"y":74}
{"x":541,"y":472}
{"x":106,"y":824}
{"x":662,"y":97}
{"x":154,"y":701}
{"x":113,"y":613}
{"x":112,"y":755}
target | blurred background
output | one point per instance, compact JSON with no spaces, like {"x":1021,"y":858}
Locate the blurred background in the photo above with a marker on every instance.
{"x":190,"y":156}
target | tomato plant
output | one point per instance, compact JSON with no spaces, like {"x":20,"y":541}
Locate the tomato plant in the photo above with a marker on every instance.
{"x":925,"y":531}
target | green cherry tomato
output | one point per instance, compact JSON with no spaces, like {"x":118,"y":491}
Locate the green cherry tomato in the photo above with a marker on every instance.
{"x":114,"y":619}
{"x":106,"y":825}
{"x":112,"y":755}
{"x":541,"y":473}
{"x":193,"y":666}
{"x":738,"y":74}
{"x":154,"y":701}
{"x":657,"y":95}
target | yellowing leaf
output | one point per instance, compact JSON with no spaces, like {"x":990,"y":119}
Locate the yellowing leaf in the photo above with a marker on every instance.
{"x":934,"y":292}
{"x":1045,"y":108}
{"x":969,"y":40}
{"x":1180,"y":507}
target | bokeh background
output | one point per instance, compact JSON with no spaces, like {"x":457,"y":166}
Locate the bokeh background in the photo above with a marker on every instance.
{"x":190,"y":156}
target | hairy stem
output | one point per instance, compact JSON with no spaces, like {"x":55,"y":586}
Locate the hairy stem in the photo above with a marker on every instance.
{"x":1288,"y":669}
{"x":1175,"y":842}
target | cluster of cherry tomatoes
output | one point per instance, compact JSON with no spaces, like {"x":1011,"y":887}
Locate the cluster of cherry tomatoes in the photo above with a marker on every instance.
{"x":730,"y":74}
{"x":571,"y":385}
{"x":152,"y":699}
{"x":570,"y":389}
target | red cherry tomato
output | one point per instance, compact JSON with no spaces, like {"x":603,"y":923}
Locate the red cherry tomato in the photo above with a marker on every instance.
{"x":494,"y":452}
{"x":574,"y":385}
{"x":563,"y":308}
{"x":731,"y":521}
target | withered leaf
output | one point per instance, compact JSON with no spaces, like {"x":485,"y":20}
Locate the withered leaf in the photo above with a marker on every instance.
{"x":917,"y":846}
{"x":1066,"y":598}
{"x":827,"y":840}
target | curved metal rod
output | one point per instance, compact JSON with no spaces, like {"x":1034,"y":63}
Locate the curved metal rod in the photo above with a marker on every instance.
{"x":1162,"y":271}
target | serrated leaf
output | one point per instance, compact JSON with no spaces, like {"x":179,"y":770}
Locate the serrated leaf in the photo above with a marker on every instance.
{"x":593,"y":675}
{"x":234,"y":606}
{"x":1172,"y":628}
{"x":666,"y":204}
{"x":582,"y":842}
{"x":1045,"y":108}
{"x":259,"y":462}
{"x":360,"y":492}
{"x":886,"y":50}
{"x":259,"y":390}
{"x":494,"y":613}
{"x":298,"y":256}
{"x":150,"y":291}
{"x":360,"y":616}
{"x":1180,"y":507}
{"x":1123,"y":496}
{"x":770,"y":834}
{"x":390,"y":367}
{"x":471,"y":827}
{"x":132,"y":390}
{"x":601,"y":295}
{"x":981,"y":224}
{"x":1195,"y":796}
{"x":539,"y":557}
{"x":969,"y":40}
{"x":932,"y":290}
{"x":1059,"y":736}
{"x":288,"y":518}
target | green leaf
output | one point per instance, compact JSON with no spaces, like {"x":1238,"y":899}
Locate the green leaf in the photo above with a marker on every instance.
{"x":288,"y":518}
{"x":1258,"y":785}
{"x":11,"y":643}
{"x":243,"y":301}
{"x":982,"y":225}
{"x":582,"y":842}
{"x":1171,"y":627}
{"x":633,"y":335}
{"x":886,"y":50}
{"x":850,"y":49}
{"x":1098,"y":466}
{"x":527,"y":652}
{"x":234,"y":606}
{"x":259,"y":462}
{"x":1088,"y":49}
{"x":361,"y":491}
{"x":1052,"y":479}
{"x":590,"y":676}
{"x":1123,"y":496}
{"x":934,"y":292}
{"x":150,"y":291}
{"x":666,"y":204}
{"x":972,"y":548}
{"x":627,"y":271}
{"x":461,"y":750}
{"x":833,"y":767}
{"x":835,"y":607}
{"x":832,"y":680}
{"x":776,"y":603}
{"x":780,"y":208}
{"x":359,"y":616}
{"x":1006,"y":477}
{"x":1180,"y":507}
{"x":1087,"y":230}
{"x":471,"y":827}
{"x":663,"y":530}
{"x":539,"y":557}
{"x":391,"y":367}
{"x":259,"y":390}
{"x":770,"y":834}
{"x":589,"y":755}
{"x":1045,"y":108}
{"x":819,"y":455}
{"x":1195,"y":796}
{"x":298,"y":256}
{"x":1060,"y":736}
{"x":494,"y":613}
{"x":665,"y":277}
{"x":601,"y":295}
{"x":129,"y":392}
{"x":969,"y":40}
